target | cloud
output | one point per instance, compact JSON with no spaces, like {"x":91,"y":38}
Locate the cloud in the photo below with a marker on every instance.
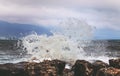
{"x":105,"y":18}
{"x":64,"y":3}
{"x":98,"y":13}
{"x":35,"y":15}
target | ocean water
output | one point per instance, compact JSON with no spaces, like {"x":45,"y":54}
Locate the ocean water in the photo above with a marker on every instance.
{"x":11,"y":51}
{"x":71,"y":40}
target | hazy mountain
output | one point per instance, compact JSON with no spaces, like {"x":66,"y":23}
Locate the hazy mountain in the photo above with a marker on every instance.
{"x":18,"y":30}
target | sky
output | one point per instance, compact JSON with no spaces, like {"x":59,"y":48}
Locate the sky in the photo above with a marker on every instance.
{"x":104,"y":15}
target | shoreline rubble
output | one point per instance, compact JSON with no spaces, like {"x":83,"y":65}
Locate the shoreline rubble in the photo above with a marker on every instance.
{"x":57,"y":68}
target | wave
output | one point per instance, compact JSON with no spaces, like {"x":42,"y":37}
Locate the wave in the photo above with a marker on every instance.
{"x":67,"y":43}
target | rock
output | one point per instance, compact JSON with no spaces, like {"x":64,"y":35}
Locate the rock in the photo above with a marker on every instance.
{"x":10,"y":69}
{"x":82,"y":68}
{"x":68,"y":72}
{"x":60,"y":65}
{"x":108,"y":72}
{"x":5,"y":70}
{"x":46,"y":68}
{"x":57,"y":68}
{"x":114,"y":63}
{"x":97,"y":65}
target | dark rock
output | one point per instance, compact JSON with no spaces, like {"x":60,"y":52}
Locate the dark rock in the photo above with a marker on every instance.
{"x":57,"y":68}
{"x":10,"y":69}
{"x":19,"y":69}
{"x":46,"y":68}
{"x":97,"y":65}
{"x":82,"y":68}
{"x":114,"y":63}
{"x":5,"y":70}
{"x":108,"y":72}
{"x":68,"y":72}
{"x":60,"y":65}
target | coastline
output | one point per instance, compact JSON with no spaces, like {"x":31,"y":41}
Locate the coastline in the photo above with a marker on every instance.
{"x":58,"y":68}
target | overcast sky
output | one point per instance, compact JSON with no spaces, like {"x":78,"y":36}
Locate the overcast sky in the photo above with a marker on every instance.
{"x":102,"y":14}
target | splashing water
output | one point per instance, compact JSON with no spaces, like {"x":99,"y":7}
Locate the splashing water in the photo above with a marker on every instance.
{"x":52,"y":47}
{"x":75,"y":29}
{"x":65,"y":44}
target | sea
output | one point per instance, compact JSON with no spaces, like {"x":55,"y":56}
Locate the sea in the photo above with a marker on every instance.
{"x":11,"y":51}
{"x":71,"y":39}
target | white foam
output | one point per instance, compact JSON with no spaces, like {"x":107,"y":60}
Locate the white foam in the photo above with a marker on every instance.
{"x":64,"y":44}
{"x":53,"y":47}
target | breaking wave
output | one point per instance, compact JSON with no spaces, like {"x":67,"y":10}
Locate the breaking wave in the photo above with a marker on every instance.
{"x":67,"y":43}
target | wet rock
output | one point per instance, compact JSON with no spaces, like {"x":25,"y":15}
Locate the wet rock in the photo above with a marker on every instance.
{"x":97,"y":65}
{"x":57,"y":68}
{"x":10,"y":69}
{"x":114,"y":63}
{"x":46,"y":68}
{"x":19,"y":69}
{"x":60,"y":66}
{"x":82,"y":68}
{"x":68,"y":72}
{"x":108,"y":72}
{"x":5,"y":70}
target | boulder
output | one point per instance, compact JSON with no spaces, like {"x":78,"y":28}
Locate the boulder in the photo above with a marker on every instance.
{"x":114,"y":63}
{"x":10,"y":69}
{"x":60,"y":66}
{"x":82,"y":68}
{"x":108,"y":72}
{"x":97,"y":65}
{"x":57,"y":68}
{"x":46,"y":68}
{"x":5,"y":70}
{"x":68,"y":72}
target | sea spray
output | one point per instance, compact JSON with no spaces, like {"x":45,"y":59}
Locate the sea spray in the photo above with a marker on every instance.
{"x":52,"y":47}
{"x":75,"y":29}
{"x":65,"y":44}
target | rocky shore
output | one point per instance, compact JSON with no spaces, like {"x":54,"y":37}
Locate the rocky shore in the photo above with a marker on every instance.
{"x":57,"y":68}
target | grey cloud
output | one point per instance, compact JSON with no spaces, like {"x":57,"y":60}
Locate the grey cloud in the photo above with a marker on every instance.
{"x":99,"y":13}
{"x":66,"y":3}
{"x":105,"y":18}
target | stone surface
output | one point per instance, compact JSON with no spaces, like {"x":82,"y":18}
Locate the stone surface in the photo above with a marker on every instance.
{"x":57,"y":68}
{"x":68,"y":72}
{"x":115,"y":63}
{"x":108,"y":72}
{"x":60,"y":66}
{"x":82,"y":68}
{"x":46,"y":68}
{"x":97,"y":65}
{"x":10,"y":69}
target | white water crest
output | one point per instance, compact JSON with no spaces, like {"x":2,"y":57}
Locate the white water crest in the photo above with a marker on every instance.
{"x":65,"y":44}
{"x":52,"y":47}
